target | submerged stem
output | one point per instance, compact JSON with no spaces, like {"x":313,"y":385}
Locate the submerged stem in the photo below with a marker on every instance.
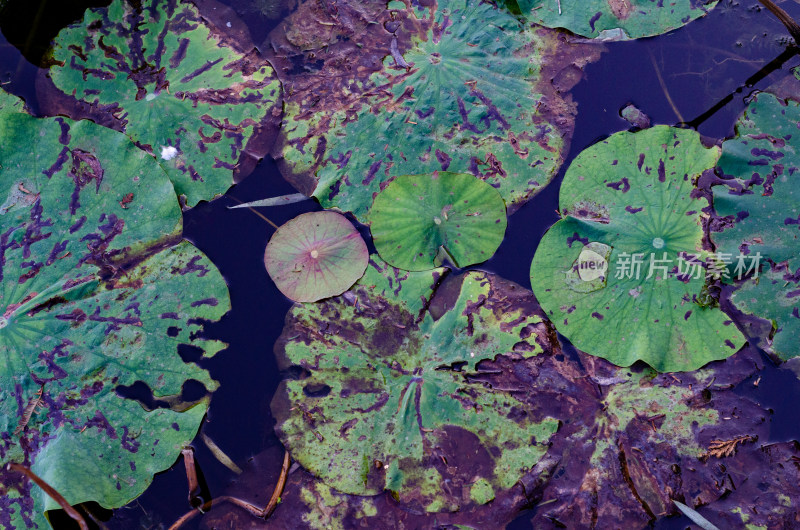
{"x":257,"y":512}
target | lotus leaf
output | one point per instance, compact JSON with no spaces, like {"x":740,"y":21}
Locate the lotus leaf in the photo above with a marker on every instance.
{"x":387,"y":402}
{"x":450,"y":95}
{"x":614,"y":19}
{"x":175,"y":85}
{"x":629,"y":442}
{"x":621,"y":274}
{"x":760,"y":208}
{"x":417,"y":215}
{"x":316,"y":255}
{"x":689,"y":437}
{"x":766,"y":496}
{"x":97,"y":293}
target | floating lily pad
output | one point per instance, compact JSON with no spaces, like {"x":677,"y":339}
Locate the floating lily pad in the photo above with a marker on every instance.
{"x":417,"y":217}
{"x":655,"y":438}
{"x":316,"y":255}
{"x":388,"y":403}
{"x":630,"y":441}
{"x":450,"y":95}
{"x":175,"y":85}
{"x":625,"y":200}
{"x":760,"y":206}
{"x":615,"y":19}
{"x":97,"y":293}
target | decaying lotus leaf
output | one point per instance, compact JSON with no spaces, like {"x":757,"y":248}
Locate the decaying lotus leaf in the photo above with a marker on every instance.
{"x":630,"y":441}
{"x":653,"y":439}
{"x":449,"y":95}
{"x":419,"y":217}
{"x":316,"y":255}
{"x":638,"y":293}
{"x":176,"y":86}
{"x":97,"y":292}
{"x":388,"y":402}
{"x":615,"y":19}
{"x":759,"y":206}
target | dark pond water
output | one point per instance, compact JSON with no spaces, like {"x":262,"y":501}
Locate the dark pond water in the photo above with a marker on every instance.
{"x":695,"y":67}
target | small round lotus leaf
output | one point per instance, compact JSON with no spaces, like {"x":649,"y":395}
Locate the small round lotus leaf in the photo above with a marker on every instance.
{"x":96,"y":292}
{"x":417,"y":218}
{"x":316,"y":255}
{"x":615,"y":19}
{"x":173,"y":83}
{"x":453,"y":94}
{"x":622,"y":274}
{"x":760,"y":204}
{"x":389,"y":389}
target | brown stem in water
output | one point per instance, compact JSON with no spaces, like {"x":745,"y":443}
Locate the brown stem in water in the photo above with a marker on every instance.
{"x":56,"y":496}
{"x":664,"y":87}
{"x":257,"y":512}
{"x":786,"y":20}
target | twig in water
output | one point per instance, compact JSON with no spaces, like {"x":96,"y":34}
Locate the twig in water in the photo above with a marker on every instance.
{"x":786,"y":20}
{"x":664,"y":87}
{"x":559,"y":6}
{"x":263,"y":514}
{"x":56,"y":496}
{"x":765,"y":71}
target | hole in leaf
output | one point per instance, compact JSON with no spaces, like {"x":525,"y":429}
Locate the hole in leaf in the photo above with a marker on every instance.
{"x":316,"y":390}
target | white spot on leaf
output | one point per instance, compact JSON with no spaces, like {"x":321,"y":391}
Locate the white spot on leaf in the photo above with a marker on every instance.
{"x":168,"y":152}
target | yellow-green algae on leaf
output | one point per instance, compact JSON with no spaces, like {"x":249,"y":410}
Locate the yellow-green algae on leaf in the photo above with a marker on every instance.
{"x":387,"y":402}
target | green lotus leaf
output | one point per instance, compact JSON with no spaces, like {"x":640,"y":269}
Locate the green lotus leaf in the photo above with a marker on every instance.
{"x":97,"y":293}
{"x":621,"y":275}
{"x":174,"y":85}
{"x":417,"y":215}
{"x":760,"y":207}
{"x":452,"y":95}
{"x":388,"y":404}
{"x":614,"y":19}
{"x":316,"y":255}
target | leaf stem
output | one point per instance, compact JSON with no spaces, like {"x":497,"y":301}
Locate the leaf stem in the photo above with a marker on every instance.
{"x":257,"y":512}
{"x":55,"y":495}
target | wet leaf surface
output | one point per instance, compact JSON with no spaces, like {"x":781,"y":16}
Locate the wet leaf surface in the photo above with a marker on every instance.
{"x":316,"y":255}
{"x":614,"y":19}
{"x":481,"y":99}
{"x":388,"y":401}
{"x":417,"y":217}
{"x":758,"y":208}
{"x":649,"y":443}
{"x":622,"y":274}
{"x":629,"y":441}
{"x":176,"y":85}
{"x":97,"y":292}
